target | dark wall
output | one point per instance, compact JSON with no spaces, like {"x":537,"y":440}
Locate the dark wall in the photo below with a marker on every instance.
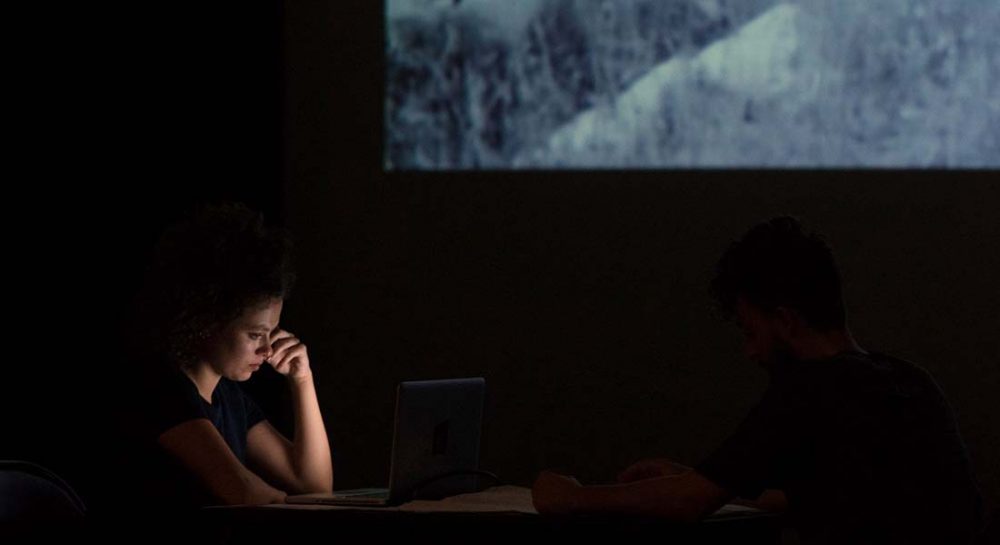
{"x":581,"y":297}
{"x":125,"y":119}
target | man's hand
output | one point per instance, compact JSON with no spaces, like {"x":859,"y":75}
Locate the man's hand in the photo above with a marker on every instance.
{"x":554,"y":494}
{"x":289,"y":357}
{"x":650,"y":469}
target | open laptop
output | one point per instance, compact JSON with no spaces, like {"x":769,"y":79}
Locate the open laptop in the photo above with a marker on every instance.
{"x":435,"y":445}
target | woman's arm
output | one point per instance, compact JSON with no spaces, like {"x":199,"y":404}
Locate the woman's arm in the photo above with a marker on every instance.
{"x":304,"y":464}
{"x":313,"y":461}
{"x":198,"y":445}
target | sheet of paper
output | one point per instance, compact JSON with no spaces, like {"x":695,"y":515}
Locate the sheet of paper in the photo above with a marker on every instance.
{"x":499,"y":499}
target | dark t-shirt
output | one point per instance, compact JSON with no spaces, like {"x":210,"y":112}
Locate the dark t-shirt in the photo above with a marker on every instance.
{"x":167,"y":399}
{"x":176,"y":400}
{"x":865,"y":447}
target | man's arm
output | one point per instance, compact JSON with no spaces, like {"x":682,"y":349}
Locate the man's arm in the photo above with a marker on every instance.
{"x":770,"y":500}
{"x":685,"y":497}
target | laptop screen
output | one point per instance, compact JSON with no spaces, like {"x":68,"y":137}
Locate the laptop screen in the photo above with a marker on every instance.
{"x":436,"y":438}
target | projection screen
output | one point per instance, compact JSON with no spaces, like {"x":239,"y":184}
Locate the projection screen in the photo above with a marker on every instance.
{"x":640,"y":84}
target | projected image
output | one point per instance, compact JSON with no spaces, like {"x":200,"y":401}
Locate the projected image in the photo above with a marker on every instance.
{"x":592,"y":84}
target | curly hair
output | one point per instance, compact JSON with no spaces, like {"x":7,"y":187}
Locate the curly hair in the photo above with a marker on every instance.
{"x":777,"y":264}
{"x":205,"y":271}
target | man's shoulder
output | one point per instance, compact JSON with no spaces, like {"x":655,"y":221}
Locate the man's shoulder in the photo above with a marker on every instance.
{"x":877,"y":363}
{"x":885,"y":375}
{"x":903,"y":369}
{"x":859,"y":375}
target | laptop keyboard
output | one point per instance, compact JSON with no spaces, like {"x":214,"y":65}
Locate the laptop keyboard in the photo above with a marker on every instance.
{"x":363,"y":493}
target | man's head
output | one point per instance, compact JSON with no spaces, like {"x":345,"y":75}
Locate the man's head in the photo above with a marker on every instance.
{"x":782,"y":286}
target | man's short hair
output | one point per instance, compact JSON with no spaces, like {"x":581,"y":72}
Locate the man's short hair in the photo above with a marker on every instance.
{"x":777,"y":264}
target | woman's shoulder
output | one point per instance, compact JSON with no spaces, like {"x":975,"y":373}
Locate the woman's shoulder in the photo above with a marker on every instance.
{"x":161,"y":376}
{"x":166,"y":392}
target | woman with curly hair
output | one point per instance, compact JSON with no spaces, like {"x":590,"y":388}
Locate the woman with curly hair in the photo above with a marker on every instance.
{"x":209,"y":317}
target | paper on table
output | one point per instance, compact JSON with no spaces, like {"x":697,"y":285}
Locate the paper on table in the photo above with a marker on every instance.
{"x":499,"y":499}
{"x":734,"y":509}
{"x":514,"y":499}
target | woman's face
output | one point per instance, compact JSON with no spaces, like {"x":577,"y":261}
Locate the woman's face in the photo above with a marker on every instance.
{"x":243,"y":345}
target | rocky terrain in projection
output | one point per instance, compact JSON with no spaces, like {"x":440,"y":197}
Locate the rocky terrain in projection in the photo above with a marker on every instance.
{"x":497,"y":84}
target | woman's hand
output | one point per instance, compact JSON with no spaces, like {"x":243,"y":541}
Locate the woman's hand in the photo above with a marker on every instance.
{"x":289,"y":356}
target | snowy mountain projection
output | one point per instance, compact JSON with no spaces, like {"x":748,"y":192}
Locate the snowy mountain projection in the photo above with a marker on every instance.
{"x":630,"y":84}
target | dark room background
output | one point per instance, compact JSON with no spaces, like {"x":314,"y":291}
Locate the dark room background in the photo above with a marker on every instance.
{"x":580,"y":296}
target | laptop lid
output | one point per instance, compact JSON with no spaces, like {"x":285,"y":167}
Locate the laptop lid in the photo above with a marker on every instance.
{"x":436,"y":437}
